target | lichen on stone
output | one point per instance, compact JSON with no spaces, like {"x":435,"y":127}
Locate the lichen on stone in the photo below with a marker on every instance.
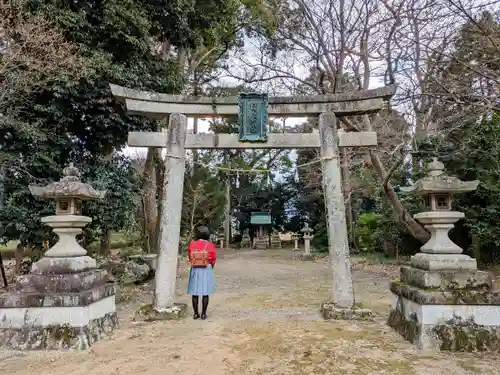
{"x":147,"y":313}
{"x":61,"y":333}
{"x":357,"y":312}
{"x":146,"y":309}
{"x":57,"y":337}
{"x":465,"y":335}
{"x":409,"y":329}
{"x":434,"y":296}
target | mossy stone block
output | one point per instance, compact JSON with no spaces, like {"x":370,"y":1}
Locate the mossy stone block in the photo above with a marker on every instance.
{"x":330,"y":311}
{"x":147,"y":313}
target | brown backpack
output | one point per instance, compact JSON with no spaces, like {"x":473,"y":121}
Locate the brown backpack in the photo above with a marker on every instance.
{"x":199,"y":258}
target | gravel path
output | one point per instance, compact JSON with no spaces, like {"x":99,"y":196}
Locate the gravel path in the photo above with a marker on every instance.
{"x":263,"y":320}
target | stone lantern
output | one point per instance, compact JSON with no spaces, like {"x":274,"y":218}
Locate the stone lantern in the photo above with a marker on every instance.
{"x":441,"y":300}
{"x":437,"y":190}
{"x":275,"y":240}
{"x":245,"y":239}
{"x":296,"y":238}
{"x":65,"y":302}
{"x":307,"y":235}
{"x":220,"y":237}
{"x":68,"y":221}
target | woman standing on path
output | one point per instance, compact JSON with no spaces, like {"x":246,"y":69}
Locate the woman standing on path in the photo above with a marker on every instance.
{"x":202,"y":255}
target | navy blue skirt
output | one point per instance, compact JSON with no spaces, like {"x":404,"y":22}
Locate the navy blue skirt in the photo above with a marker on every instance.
{"x":201,"y":281}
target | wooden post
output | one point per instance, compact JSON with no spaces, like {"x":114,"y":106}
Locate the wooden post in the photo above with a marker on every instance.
{"x":170,"y":222}
{"x":343,"y":295}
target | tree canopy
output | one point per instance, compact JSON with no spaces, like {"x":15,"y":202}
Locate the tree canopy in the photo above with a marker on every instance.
{"x":58,"y":57}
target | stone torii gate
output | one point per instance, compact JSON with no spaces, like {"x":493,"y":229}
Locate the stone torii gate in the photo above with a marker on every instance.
{"x":253,"y":110}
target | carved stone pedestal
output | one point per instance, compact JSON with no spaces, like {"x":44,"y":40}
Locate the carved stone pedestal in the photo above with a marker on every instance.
{"x":64,"y":303}
{"x":451,"y":317}
{"x":442,"y":302}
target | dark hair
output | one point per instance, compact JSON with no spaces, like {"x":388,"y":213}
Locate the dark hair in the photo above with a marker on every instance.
{"x":202,"y":233}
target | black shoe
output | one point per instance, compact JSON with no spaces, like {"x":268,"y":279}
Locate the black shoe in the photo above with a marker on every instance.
{"x":203,"y":316}
{"x":196,"y":316}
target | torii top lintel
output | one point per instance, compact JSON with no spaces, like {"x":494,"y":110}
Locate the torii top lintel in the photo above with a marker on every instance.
{"x":158,"y":105}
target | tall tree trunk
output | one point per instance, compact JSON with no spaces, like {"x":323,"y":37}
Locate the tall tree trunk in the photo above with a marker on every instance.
{"x":195,"y":152}
{"x":411,"y":225}
{"x":19,"y":255}
{"x":402,"y":215}
{"x":227,"y":216}
{"x":159,"y":177}
{"x":149,"y":199}
{"x":2,"y":271}
{"x":181,"y":58}
{"x":144,"y":228}
{"x":476,"y":249}
{"x":105,"y":243}
{"x":346,"y":190}
{"x":2,"y":190}
{"x":2,"y":205}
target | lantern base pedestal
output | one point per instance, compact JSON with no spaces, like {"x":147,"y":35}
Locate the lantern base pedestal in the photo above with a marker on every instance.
{"x":439,"y":223}
{"x":60,"y":266}
{"x":56,"y":328}
{"x":64,"y":303}
{"x":454,"y":320}
{"x":443,"y":262}
{"x":306,"y":257}
{"x":446,"y":280}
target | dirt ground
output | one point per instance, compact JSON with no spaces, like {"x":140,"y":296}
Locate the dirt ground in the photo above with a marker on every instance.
{"x":263,"y":320}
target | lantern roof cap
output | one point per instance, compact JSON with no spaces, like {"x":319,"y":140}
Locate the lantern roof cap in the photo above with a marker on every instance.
{"x":69,"y":186}
{"x":438,"y":182}
{"x":307,"y":229}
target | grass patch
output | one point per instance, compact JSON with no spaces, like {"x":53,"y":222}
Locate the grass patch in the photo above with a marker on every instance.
{"x":395,"y":367}
{"x":471,"y":366}
{"x":378,"y":258}
{"x":304,"y":296}
{"x":9,"y":247}
{"x":317,"y":347}
{"x":119,"y":240}
{"x":312,"y":296}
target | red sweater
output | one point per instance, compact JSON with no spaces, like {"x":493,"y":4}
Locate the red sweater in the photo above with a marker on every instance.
{"x":199,"y":245}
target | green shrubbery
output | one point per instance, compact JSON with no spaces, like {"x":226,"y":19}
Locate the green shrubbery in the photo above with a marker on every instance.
{"x":368,"y":232}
